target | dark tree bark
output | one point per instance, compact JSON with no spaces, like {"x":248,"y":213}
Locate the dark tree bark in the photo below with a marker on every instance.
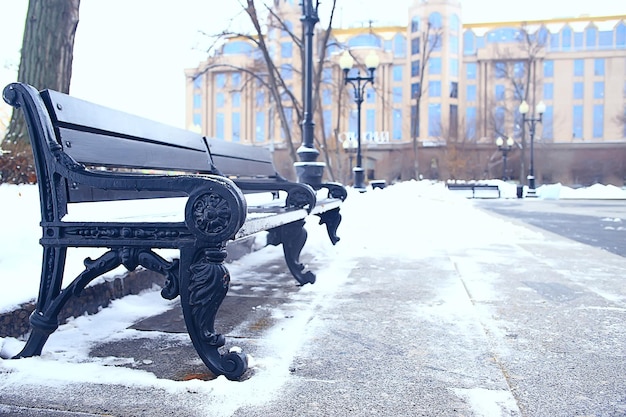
{"x":46,"y":60}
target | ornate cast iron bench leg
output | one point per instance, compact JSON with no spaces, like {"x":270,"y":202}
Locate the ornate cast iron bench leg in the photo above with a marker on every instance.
{"x":293,"y":237}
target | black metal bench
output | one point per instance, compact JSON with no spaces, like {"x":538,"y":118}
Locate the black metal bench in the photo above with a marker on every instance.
{"x":475,"y":190}
{"x":88,"y":153}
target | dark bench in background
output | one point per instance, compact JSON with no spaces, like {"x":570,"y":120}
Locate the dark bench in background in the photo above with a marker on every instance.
{"x":471,"y":190}
{"x":88,"y":153}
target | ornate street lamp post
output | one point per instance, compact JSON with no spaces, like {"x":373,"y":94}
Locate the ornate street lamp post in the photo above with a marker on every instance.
{"x":532,"y":123}
{"x":358,"y":83}
{"x":505,"y":148}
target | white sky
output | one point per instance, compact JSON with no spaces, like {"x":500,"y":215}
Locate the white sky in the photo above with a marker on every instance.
{"x":131,"y":54}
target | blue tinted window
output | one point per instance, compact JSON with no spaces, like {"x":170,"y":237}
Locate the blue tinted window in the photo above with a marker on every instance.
{"x":396,"y":92}
{"x":286,"y":49}
{"x":236,"y":121}
{"x":500,"y":92}
{"x":415,"y":68}
{"x":327,"y":96}
{"x":219,"y":100}
{"x":598,"y":66}
{"x":415,"y":24}
{"x":469,"y":42}
{"x":370,"y":120}
{"x":605,"y":40}
{"x":566,"y":38}
{"x":579,"y":67}
{"x":471,"y":92}
{"x":288,"y":28}
{"x":620,"y":35}
{"x":470,"y":70}
{"x":548,"y":91}
{"x":547,"y":123}
{"x":236,"y":99}
{"x":598,"y":89}
{"x":548,"y":68}
{"x":454,"y":22}
{"x":237,"y":47}
{"x":555,"y":42}
{"x":220,"y":80}
{"x":399,"y":46}
{"x":219,"y":125}
{"x":236,"y":79}
{"x":328,"y":122}
{"x":368,"y":39}
{"x":415,"y":46}
{"x":500,"y":69}
{"x":519,"y":69}
{"x":260,"y":98}
{"x":197,"y":120}
{"x":591,"y":36}
{"x":415,"y":90}
{"x":197,"y":101}
{"x":259,"y":127}
{"x":470,"y":122}
{"x":435,"y":20}
{"x":434,"y":88}
{"x":503,"y":35}
{"x":434,"y":65}
{"x":286,"y":72}
{"x":434,"y":119}
{"x":454,"y":44}
{"x":197,"y":82}
{"x":577,"y":131}
{"x":397,"y":72}
{"x":579,"y":90}
{"x":454,"y":67}
{"x":396,"y":128}
{"x":598,"y":121}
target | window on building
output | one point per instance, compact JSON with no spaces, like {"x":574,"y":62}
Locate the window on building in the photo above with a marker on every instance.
{"x":566,"y":38}
{"x":577,"y":128}
{"x":598,"y":89}
{"x":396,"y":92}
{"x":591,"y":37}
{"x":259,"y":128}
{"x":470,"y":122}
{"x":416,"y":91}
{"x":519,"y":69}
{"x":454,"y":89}
{"x":197,"y":101}
{"x":219,"y":125}
{"x":399,"y":46}
{"x":455,"y":24}
{"x":434,"y":119}
{"x":620,"y":35}
{"x":415,"y":24}
{"x":579,"y":91}
{"x":434,"y":42}
{"x":548,"y":91}
{"x":236,"y":97}
{"x":499,"y":118}
{"x":415,"y":46}
{"x":197,"y":82}
{"x":370,"y":120}
{"x":328,"y":122}
{"x":434,"y":65}
{"x":434,"y":88}
{"x":547,"y":123}
{"x":598,"y":66}
{"x":236,"y":126}
{"x":469,"y":43}
{"x":518,"y":91}
{"x":396,"y":124}
{"x":397,"y":72}
{"x":471,"y":92}
{"x":454,"y":67}
{"x":453,"y":40}
{"x":578,"y":41}
{"x":327,"y":76}
{"x":605,"y":39}
{"x":555,"y":42}
{"x":288,"y":29}
{"x":220,"y":100}
{"x":598,"y":121}
{"x":286,"y":49}
{"x":197,"y":120}
{"x":500,"y":92}
{"x":500,"y":69}
{"x":435,"y":20}
{"x":415,"y":68}
{"x":220,"y":80}
{"x":236,"y":79}
{"x":327,"y":96}
{"x":260,"y":98}
{"x":286,"y":71}
{"x":548,"y":69}
{"x":579,"y":67}
{"x":470,"y":70}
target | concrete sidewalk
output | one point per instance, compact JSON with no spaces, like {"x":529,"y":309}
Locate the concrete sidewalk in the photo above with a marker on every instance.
{"x":526,"y":329}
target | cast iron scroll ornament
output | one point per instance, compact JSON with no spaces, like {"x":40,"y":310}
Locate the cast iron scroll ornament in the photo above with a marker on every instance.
{"x":331,"y":219}
{"x":214,"y":216}
{"x":293,"y":237}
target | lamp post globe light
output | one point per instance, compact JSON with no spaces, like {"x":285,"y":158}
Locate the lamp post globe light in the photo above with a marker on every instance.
{"x":532,"y":121}
{"x":505,"y":148}
{"x":358,"y":83}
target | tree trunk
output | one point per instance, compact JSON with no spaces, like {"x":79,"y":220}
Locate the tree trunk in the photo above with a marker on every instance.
{"x":46,"y":59}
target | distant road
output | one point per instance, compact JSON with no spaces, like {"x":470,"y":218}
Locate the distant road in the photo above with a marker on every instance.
{"x":599,"y":223}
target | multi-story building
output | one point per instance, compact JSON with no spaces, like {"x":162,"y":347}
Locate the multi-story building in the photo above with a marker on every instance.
{"x":450,"y":87}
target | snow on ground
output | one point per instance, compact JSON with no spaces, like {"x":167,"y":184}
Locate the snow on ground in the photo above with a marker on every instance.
{"x":374,"y":224}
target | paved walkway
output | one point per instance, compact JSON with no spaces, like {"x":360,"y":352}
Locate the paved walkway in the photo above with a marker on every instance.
{"x":531,"y":327}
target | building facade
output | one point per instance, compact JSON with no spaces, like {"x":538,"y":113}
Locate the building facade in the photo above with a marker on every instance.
{"x":449,"y":87}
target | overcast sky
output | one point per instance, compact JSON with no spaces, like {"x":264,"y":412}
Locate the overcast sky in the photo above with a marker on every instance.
{"x":130,"y":54}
